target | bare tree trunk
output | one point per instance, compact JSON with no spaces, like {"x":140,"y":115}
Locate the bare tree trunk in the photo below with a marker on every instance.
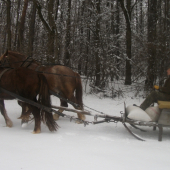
{"x":21,"y":27}
{"x":163,"y":36}
{"x":51,"y":34}
{"x":127,"y":14}
{"x":51,"y":30}
{"x":97,"y":42}
{"x":136,"y":18}
{"x":31,"y":30}
{"x":167,"y":24}
{"x":56,"y":14}
{"x":67,"y":39}
{"x":87,"y":52}
{"x":88,"y":34}
{"x":152,"y":22}
{"x":57,"y":45}
{"x":117,"y":39}
{"x":141,"y":19}
{"x":9,"y":24}
{"x":17,"y":23}
{"x":81,"y":34}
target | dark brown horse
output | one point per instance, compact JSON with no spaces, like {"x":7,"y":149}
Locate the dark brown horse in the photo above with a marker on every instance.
{"x":28,"y":84}
{"x":61,"y":79}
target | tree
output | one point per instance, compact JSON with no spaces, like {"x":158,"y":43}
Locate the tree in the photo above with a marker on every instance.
{"x":127,"y":14}
{"x":51,"y":29}
{"x":97,"y":43}
{"x":9,"y":24}
{"x":152,"y":22}
{"x":67,"y":38}
{"x":31,"y":31}
{"x":17,"y":23}
{"x":117,"y":31}
{"x":20,"y":46}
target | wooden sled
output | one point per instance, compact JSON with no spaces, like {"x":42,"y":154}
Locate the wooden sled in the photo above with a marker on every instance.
{"x":163,"y":120}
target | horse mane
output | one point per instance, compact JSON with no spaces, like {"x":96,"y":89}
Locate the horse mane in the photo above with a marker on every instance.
{"x":21,"y":56}
{"x":17,"y":55}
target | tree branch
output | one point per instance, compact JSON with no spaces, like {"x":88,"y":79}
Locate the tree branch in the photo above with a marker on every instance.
{"x":38,"y":6}
{"x":134,"y":5}
{"x":124,"y":11}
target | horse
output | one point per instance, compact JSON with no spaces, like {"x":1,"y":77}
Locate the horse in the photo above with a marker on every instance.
{"x":61,"y":79}
{"x":28,"y":84}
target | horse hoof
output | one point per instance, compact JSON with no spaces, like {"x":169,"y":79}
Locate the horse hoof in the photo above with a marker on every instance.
{"x":78,"y":122}
{"x":55,"y":116}
{"x":24,"y":125}
{"x":81,"y":116}
{"x":9,"y":123}
{"x":36,"y":132}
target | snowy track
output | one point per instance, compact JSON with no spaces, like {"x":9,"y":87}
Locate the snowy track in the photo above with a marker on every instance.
{"x":103,"y":146}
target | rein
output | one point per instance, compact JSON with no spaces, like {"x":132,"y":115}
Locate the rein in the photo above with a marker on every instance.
{"x":27,"y":62}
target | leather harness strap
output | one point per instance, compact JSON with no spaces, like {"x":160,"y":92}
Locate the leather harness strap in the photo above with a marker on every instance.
{"x":37,"y":68}
{"x":27,"y":62}
{"x":4,"y":71}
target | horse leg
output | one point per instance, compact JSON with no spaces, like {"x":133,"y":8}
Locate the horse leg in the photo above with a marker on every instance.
{"x":4,"y":113}
{"x":80,"y":115}
{"x":37,"y":118}
{"x":25,"y":113}
{"x":63,"y":104}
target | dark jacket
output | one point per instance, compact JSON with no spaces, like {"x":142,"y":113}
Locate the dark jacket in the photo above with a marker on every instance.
{"x":166,"y":87}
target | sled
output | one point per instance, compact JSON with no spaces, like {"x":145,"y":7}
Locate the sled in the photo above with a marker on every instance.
{"x":162,"y":120}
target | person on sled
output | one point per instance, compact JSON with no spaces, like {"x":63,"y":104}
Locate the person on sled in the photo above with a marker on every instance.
{"x":162,"y":93}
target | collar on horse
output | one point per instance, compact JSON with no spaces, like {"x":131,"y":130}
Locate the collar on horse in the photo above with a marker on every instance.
{"x":4,"y":71}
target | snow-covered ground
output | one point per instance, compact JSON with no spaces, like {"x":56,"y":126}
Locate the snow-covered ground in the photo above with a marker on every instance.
{"x":75,"y":147}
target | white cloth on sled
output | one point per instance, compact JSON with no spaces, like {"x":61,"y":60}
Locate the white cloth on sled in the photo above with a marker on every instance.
{"x":136,"y":113}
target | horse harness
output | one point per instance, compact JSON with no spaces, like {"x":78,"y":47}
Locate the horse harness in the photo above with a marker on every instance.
{"x":25,"y":64}
{"x":4,"y":71}
{"x":28,"y":62}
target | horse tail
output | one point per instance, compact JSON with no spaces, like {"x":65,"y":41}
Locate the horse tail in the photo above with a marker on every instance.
{"x":44,"y":99}
{"x":79,"y":90}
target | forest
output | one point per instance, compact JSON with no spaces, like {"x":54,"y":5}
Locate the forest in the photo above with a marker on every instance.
{"x":104,"y":40}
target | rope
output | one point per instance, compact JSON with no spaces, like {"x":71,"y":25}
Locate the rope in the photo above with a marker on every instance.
{"x":93,"y":109}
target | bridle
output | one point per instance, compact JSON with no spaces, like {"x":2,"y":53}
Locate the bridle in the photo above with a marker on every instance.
{"x":5,"y":62}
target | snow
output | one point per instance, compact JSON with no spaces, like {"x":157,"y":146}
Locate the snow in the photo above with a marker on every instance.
{"x":73,"y":146}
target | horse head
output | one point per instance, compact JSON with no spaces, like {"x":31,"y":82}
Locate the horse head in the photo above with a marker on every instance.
{"x":4,"y":60}
{"x":12,"y":59}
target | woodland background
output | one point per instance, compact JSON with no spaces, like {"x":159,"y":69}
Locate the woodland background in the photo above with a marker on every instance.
{"x":105,"y":40}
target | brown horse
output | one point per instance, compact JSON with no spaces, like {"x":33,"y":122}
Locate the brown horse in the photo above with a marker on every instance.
{"x":61,"y":79}
{"x":28,"y":84}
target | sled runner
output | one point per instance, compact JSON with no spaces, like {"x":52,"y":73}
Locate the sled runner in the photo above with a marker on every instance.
{"x":158,"y":116}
